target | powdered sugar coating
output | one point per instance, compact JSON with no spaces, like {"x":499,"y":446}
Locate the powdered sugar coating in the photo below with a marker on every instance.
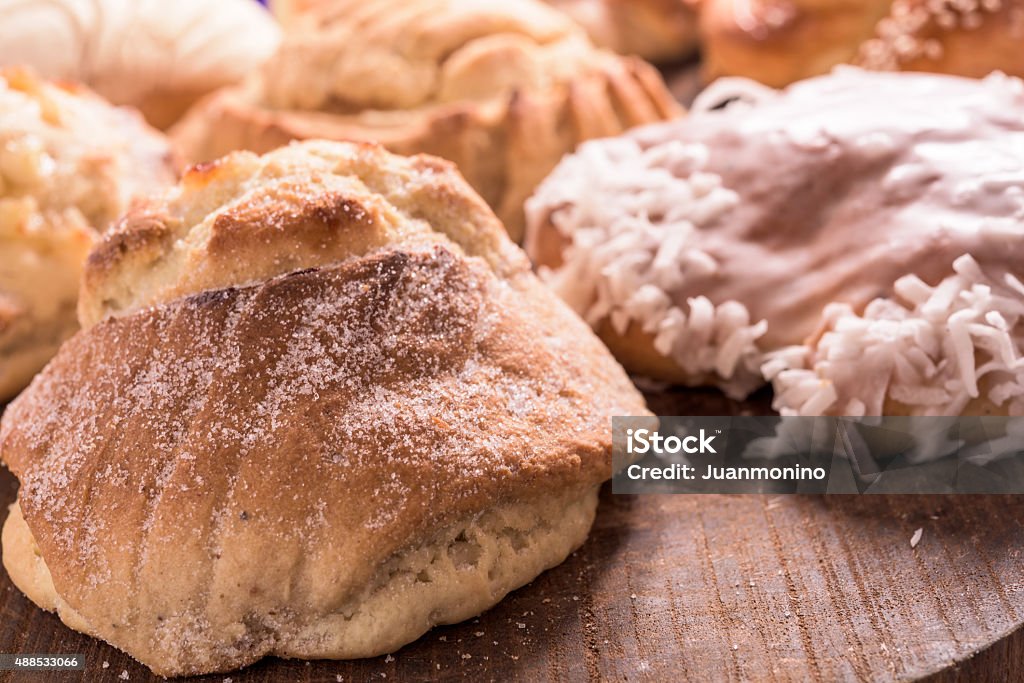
{"x":331,"y":411}
{"x":227,"y":473}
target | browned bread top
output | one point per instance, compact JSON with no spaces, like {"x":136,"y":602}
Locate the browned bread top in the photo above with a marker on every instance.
{"x":245,"y":218}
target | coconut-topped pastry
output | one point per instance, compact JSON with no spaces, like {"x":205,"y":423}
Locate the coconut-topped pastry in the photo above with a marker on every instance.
{"x":777,"y":43}
{"x":503,"y":89}
{"x":70,"y":164}
{"x":702,"y":250}
{"x":320,"y":404}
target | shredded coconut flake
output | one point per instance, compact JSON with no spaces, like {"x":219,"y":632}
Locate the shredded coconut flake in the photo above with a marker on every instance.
{"x":934,"y":351}
{"x":631,"y":215}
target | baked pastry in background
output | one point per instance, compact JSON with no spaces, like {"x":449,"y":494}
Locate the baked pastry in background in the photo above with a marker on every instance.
{"x":961,"y":37}
{"x":778,"y":43}
{"x":319,"y":405}
{"x":716,"y":249}
{"x":159,"y":57}
{"x":502,"y":89}
{"x":69,"y":165}
{"x":657,"y":30}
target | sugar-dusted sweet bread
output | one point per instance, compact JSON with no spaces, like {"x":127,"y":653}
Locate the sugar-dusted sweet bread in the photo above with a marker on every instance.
{"x":856,"y":238}
{"x":157,"y":56}
{"x":320,"y":403}
{"x":502,"y":89}
{"x":778,"y":43}
{"x":69,"y":165}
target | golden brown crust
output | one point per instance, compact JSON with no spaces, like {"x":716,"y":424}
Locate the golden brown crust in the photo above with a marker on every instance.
{"x":455,"y":575}
{"x":778,"y":42}
{"x":245,"y":218}
{"x":503,"y":91}
{"x":220,"y":465}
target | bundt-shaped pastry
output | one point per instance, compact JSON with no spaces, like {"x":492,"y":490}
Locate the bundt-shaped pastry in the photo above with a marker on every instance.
{"x":502,"y":89}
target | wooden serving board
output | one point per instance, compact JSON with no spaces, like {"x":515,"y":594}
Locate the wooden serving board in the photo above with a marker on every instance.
{"x":701,"y":588}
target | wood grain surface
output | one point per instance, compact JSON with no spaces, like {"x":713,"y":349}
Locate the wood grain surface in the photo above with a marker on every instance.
{"x":701,"y":588}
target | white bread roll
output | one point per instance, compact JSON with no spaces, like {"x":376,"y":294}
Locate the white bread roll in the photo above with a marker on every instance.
{"x":157,"y":56}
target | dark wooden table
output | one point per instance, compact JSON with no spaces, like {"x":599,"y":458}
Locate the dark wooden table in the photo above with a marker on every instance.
{"x":702,"y":588}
